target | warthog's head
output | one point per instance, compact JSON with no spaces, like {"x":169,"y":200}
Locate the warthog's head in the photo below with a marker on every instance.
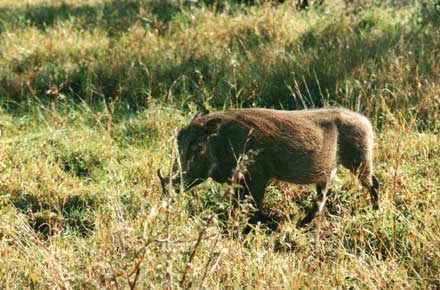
{"x":197,"y":158}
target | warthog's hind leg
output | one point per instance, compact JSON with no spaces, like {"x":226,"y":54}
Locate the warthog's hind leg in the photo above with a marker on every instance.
{"x":374,"y":192}
{"x":318,"y":206}
{"x":372,"y":184}
{"x":370,"y":181}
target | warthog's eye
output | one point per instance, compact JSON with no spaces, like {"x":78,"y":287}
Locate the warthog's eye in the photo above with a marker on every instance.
{"x":194,"y":147}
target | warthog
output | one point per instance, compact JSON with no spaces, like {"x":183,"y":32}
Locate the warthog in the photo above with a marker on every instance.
{"x":302,"y":147}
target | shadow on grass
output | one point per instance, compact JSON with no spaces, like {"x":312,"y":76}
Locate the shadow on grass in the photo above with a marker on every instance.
{"x":113,"y":16}
{"x":74,"y":212}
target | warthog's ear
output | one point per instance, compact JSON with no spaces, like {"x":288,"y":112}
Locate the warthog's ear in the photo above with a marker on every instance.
{"x":213,"y":125}
{"x":201,"y":113}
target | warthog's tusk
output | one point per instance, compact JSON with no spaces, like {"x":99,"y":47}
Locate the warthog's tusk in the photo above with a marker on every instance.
{"x":162,"y":182}
{"x":160,"y":175}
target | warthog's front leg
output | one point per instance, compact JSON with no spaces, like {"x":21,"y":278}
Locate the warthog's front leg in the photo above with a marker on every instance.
{"x":255,"y":184}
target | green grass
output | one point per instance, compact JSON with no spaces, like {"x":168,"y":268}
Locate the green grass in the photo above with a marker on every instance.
{"x":93,"y":92}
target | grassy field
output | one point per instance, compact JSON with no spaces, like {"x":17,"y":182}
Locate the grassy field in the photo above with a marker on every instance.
{"x":92,"y":93}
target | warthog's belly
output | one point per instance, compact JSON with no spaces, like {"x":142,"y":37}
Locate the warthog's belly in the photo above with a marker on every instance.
{"x":302,"y":172}
{"x":304,"y":166}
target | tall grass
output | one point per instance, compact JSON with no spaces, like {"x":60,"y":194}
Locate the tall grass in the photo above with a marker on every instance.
{"x":93,"y":92}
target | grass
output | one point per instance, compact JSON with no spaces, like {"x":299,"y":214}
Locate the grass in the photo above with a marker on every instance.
{"x":93,"y":92}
